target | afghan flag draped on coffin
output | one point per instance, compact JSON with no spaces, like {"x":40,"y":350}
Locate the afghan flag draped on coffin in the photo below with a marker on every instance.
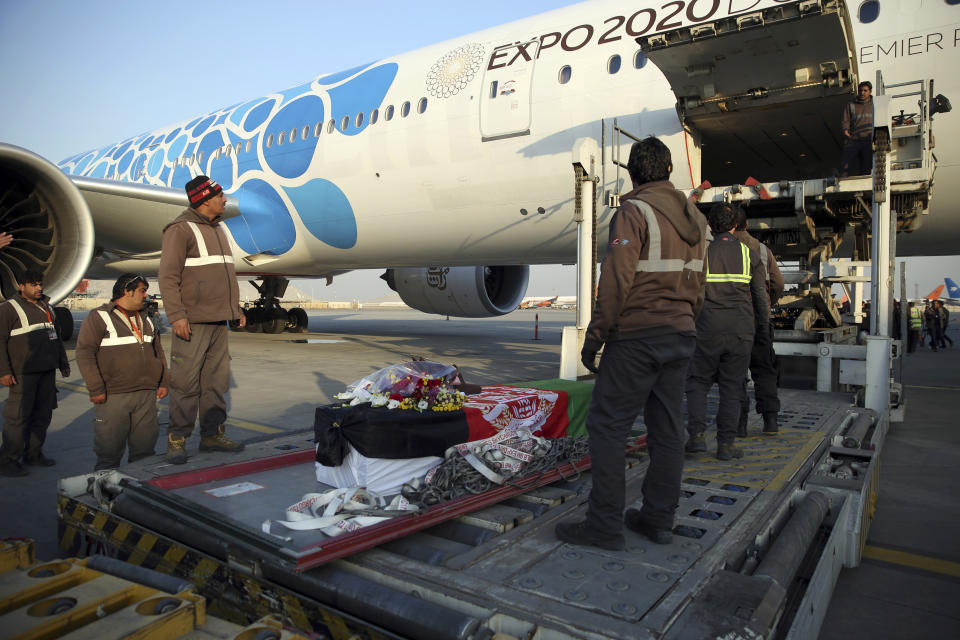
{"x":378,"y":432}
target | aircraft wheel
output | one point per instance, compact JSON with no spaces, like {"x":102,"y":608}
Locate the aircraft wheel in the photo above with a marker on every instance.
{"x":274,"y":321}
{"x":254,"y":317}
{"x":298,"y":321}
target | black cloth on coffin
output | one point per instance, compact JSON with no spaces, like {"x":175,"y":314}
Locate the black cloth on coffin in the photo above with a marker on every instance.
{"x":377,"y":432}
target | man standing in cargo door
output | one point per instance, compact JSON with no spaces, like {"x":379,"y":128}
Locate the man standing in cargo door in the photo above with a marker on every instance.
{"x":650,"y":291}
{"x":200,"y":296}
{"x":857,"y":126}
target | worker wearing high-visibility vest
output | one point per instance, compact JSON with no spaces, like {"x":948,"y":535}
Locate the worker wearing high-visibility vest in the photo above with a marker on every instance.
{"x":735,"y":308}
{"x":30,"y":354}
{"x":200,"y":296}
{"x":916,"y":328}
{"x":124,"y":367}
{"x":651,"y":288}
{"x":763,"y":359}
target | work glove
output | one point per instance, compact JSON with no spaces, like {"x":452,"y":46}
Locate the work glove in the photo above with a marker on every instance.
{"x":588,"y":355}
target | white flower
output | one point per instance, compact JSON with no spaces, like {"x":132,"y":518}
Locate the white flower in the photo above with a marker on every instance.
{"x":423,"y":405}
{"x":393,"y":404}
{"x":346,"y":395}
{"x":379,"y":400}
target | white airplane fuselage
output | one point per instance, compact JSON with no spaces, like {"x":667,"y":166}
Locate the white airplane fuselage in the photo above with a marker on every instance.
{"x":469,"y":172}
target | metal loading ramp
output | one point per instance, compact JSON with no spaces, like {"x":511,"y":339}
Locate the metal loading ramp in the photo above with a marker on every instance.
{"x":500,"y":568}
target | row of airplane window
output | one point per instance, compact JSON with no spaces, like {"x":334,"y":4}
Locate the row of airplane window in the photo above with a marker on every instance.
{"x":306,"y":131}
{"x":614,"y":64}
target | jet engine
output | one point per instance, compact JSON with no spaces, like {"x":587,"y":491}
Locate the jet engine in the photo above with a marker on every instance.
{"x":465,"y":292}
{"x":49,"y":220}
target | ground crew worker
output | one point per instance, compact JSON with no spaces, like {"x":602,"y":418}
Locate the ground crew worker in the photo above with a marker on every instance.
{"x":932,"y":323}
{"x":857,"y":126}
{"x":123,"y":365}
{"x":30,"y":353}
{"x":943,"y":317}
{"x":650,"y":290}
{"x":916,"y":327}
{"x":734,"y":309}
{"x":763,"y":359}
{"x":200,"y":296}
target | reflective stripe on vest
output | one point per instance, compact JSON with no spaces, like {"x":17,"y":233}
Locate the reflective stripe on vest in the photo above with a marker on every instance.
{"x":916,"y":319}
{"x":113,"y":338}
{"x":743,"y":277}
{"x":655,"y":261}
{"x":25,"y":326}
{"x":764,"y":256}
{"x":205,"y":257}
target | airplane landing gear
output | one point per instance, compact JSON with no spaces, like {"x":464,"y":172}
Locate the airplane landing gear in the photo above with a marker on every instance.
{"x":267,"y":316}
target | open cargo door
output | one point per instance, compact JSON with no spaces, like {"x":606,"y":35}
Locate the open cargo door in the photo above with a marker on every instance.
{"x":762,"y":92}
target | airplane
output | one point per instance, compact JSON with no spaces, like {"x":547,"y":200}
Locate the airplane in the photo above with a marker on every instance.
{"x":450,"y":166}
{"x":535,"y":303}
{"x":952,"y":290}
{"x":935,"y":294}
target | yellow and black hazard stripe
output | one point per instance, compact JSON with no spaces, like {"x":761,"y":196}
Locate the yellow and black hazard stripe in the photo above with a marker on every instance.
{"x":232,"y":593}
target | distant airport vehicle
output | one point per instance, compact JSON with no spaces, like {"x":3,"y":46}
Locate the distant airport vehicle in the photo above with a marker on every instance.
{"x":450,"y":166}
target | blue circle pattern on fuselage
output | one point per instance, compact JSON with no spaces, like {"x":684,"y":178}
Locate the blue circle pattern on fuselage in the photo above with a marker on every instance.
{"x":266,"y":221}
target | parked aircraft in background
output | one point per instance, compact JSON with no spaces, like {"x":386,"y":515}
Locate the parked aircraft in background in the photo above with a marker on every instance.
{"x":953,"y":291}
{"x":451,"y":166}
{"x":935,"y":294}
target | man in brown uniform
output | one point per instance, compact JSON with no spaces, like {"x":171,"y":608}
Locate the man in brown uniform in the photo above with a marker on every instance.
{"x":200,"y":296}
{"x":650,"y":291}
{"x":763,"y":359}
{"x":30,"y":353}
{"x":125,"y":371}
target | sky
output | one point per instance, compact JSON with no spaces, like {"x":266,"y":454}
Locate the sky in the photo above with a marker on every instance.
{"x":80,"y":75}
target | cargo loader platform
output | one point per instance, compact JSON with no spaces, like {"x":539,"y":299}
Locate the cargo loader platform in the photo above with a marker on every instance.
{"x":495,"y":566}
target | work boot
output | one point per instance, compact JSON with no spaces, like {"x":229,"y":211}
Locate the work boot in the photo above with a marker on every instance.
{"x":176,"y":449}
{"x":770,"y":425}
{"x":580,"y":533}
{"x":12,"y":469}
{"x":728,"y":451}
{"x":38,"y":460}
{"x":636,"y":522}
{"x":220,"y":442}
{"x":696,"y":443}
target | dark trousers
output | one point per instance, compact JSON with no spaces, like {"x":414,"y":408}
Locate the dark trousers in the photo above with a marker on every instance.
{"x":936,"y":336}
{"x":913,"y":338}
{"x":638,"y":375}
{"x":199,"y":380}
{"x":763,"y":370}
{"x":857,"y":157}
{"x":724,"y":359}
{"x":125,"y":418}
{"x":27,"y":414}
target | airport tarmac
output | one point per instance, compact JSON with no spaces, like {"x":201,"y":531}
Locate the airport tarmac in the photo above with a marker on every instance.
{"x":907,"y":583}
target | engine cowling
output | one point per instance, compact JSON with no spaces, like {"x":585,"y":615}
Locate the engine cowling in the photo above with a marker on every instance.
{"x":49,"y":220}
{"x":464,"y":292}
